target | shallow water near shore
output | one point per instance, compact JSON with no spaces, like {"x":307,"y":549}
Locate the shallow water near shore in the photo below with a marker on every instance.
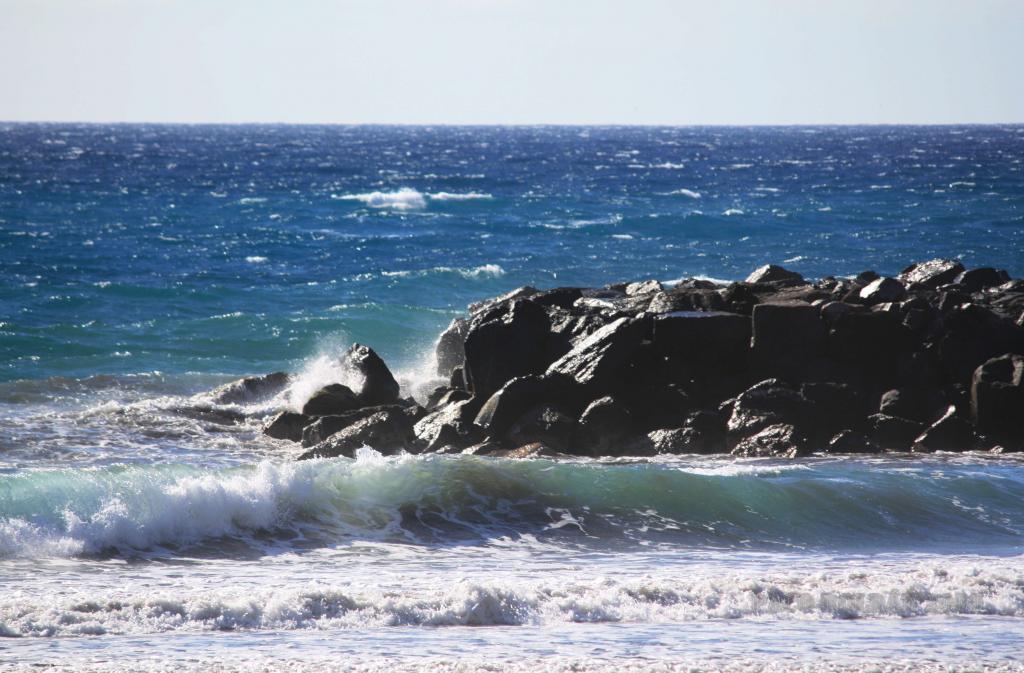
{"x":144,"y":526}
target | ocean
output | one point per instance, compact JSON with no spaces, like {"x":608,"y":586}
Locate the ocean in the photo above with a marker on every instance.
{"x":146,"y":527}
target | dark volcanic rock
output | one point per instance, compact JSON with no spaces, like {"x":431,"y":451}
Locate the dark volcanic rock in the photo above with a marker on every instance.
{"x":331,"y":400}
{"x":979,"y":279}
{"x":788,"y":340}
{"x":997,"y":398}
{"x":892,"y":432}
{"x":252,"y":389}
{"x":323,"y":427}
{"x":770,"y":273}
{"x":850,"y":441}
{"x":598,"y":363}
{"x":703,"y":433}
{"x":379,"y":386}
{"x":502,"y":302}
{"x":931,"y":274}
{"x":515,"y":398}
{"x":882,"y":290}
{"x":740,"y":298}
{"x":917,"y":404}
{"x":621,"y":369}
{"x":287,"y":425}
{"x":871,"y":344}
{"x":602,"y":429}
{"x":711,"y":347}
{"x":657,"y":406}
{"x":781,"y":440}
{"x":832,"y":405}
{"x":450,"y":425}
{"x":974,"y":334}
{"x":502,"y":347}
{"x":386,"y":431}
{"x":544,"y":424}
{"x":449,"y":350}
{"x":766,"y":403}
{"x":675,"y":441}
{"x":949,"y":433}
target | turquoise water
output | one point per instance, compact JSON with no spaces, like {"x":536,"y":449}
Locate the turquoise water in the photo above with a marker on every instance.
{"x":144,"y":526}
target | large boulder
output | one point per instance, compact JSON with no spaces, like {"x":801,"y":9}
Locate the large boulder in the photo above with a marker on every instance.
{"x":709,"y":346}
{"x":332,"y":400}
{"x":770,"y":273}
{"x":891,"y":432}
{"x":767,"y":403}
{"x":931,"y":274}
{"x":917,"y":404}
{"x":780,"y":440}
{"x":287,"y":425}
{"x":602,"y":429}
{"x":980,"y":279}
{"x":599,"y":364}
{"x":388,"y":432}
{"x":870,"y":345}
{"x":378,"y":384}
{"x":882,"y":290}
{"x":449,"y":351}
{"x":322,"y":427}
{"x":949,"y":433}
{"x":997,"y":398}
{"x":656,"y":406}
{"x":789,"y":341}
{"x":973,"y":334}
{"x":702,"y":433}
{"x":252,"y":389}
{"x":515,"y":398}
{"x":833,"y":406}
{"x":505,"y":344}
{"x":451,"y":425}
{"x":545,"y":424}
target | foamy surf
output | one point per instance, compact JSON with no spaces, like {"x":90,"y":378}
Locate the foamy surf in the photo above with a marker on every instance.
{"x":910,"y":589}
{"x":407,"y":198}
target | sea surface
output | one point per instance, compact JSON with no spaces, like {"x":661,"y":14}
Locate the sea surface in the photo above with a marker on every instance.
{"x":145,"y":527}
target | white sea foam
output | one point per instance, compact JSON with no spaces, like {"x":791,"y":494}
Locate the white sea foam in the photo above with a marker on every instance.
{"x":256,"y":259}
{"x":732,"y":211}
{"x":253,"y":662}
{"x":464,"y":196}
{"x":686,"y":192}
{"x":407,"y":198}
{"x":475,"y":272}
{"x":321,"y":370}
{"x":924,"y":589}
{"x":402,"y":199}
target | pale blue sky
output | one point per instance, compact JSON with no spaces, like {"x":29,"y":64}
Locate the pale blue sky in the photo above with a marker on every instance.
{"x":513,"y":61}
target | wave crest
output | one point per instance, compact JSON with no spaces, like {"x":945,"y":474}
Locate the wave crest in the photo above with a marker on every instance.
{"x":407,"y":198}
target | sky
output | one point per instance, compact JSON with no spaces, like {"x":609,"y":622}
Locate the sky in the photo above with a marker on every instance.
{"x":513,"y":61}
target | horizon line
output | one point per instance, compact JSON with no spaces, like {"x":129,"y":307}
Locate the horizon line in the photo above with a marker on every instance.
{"x":511,"y":124}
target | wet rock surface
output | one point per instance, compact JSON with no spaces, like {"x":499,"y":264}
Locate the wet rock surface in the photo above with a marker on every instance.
{"x":776,"y":365}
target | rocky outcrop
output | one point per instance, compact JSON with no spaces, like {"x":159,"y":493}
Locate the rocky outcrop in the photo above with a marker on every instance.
{"x":929,"y":360}
{"x":252,"y":389}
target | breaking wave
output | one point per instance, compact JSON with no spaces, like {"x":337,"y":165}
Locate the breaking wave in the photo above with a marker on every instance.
{"x":826,"y":504}
{"x":407,"y":198}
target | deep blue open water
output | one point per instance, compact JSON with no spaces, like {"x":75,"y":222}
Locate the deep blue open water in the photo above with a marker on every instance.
{"x":141,"y":266}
